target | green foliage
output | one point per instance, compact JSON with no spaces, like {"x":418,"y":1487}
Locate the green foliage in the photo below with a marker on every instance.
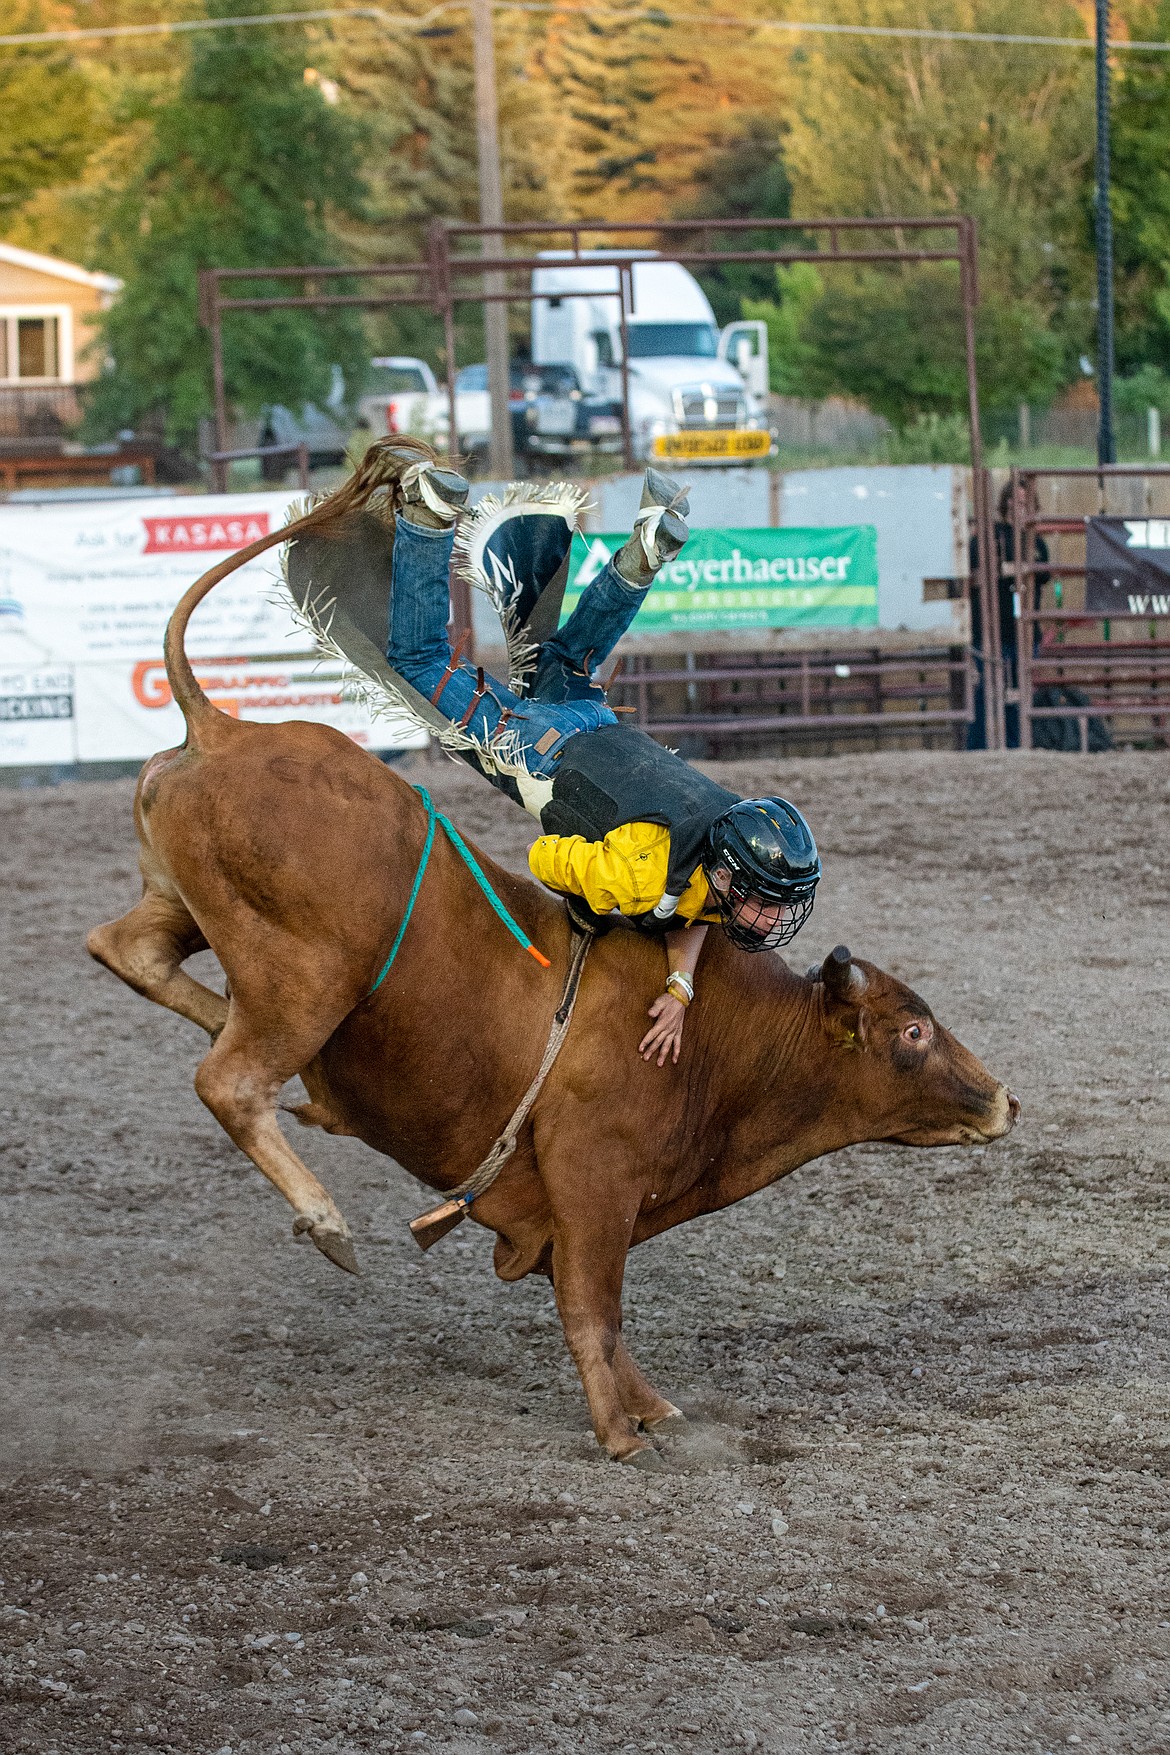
{"x":895,"y":341}
{"x":743,"y":177}
{"x":931,"y":438}
{"x":48,"y":118}
{"x":1141,"y":198}
{"x":247,"y":165}
{"x":1148,"y":387}
{"x":887,"y":128}
{"x":794,"y":363}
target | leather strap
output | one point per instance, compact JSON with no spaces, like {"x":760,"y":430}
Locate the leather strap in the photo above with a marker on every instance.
{"x":480,"y":692}
{"x":452,"y":667}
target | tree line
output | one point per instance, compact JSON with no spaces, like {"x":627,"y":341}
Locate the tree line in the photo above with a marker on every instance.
{"x":285,"y":144}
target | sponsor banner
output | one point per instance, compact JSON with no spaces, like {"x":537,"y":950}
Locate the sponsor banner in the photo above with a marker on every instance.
{"x":127,"y":707}
{"x":182,"y":535}
{"x":712,"y":447}
{"x":36,"y":715}
{"x":730,"y":579}
{"x":1127,"y":562}
{"x":89,"y":587}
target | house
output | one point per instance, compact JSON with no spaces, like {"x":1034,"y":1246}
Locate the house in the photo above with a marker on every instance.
{"x":47,"y":323}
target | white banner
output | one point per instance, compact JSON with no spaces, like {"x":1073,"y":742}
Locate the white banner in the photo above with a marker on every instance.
{"x":36,"y":715}
{"x":85,"y":592}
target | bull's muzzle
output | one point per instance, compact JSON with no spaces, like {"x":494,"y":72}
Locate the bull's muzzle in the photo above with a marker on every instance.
{"x":1003,"y":1115}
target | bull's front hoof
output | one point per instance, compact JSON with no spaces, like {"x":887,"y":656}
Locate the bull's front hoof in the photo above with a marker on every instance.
{"x":337,"y":1245}
{"x":645,"y":1458}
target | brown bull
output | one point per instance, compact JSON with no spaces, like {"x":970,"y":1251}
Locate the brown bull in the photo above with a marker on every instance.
{"x":291,"y":853}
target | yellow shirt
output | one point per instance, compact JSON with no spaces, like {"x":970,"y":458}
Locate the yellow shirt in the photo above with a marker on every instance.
{"x":626,"y":871}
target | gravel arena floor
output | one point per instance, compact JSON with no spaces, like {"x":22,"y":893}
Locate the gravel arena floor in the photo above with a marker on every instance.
{"x":253,"y":1505}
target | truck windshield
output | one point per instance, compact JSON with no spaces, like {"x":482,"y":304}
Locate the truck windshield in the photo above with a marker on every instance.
{"x":656,"y":341}
{"x":391,"y":380}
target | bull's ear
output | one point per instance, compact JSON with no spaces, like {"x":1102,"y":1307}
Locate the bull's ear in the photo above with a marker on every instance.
{"x":843,"y":980}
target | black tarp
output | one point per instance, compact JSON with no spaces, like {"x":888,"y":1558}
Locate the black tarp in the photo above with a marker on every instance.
{"x":1127,"y":564}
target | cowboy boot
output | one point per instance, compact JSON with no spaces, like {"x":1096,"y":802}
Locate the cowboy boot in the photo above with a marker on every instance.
{"x":659,"y":531}
{"x":432,"y":496}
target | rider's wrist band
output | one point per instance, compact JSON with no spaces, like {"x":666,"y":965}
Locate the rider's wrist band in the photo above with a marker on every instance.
{"x":679,"y":980}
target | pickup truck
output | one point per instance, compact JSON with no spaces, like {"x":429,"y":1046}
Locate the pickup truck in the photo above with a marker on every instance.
{"x":403,"y":396}
{"x":551,"y":415}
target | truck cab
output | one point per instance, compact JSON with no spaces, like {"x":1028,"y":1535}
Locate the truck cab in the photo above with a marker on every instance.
{"x":685,"y":373}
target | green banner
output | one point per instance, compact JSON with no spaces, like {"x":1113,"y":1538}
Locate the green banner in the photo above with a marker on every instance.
{"x":727,"y":579}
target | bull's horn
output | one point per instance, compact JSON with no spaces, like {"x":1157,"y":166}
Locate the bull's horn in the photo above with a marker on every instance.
{"x":841,"y":976}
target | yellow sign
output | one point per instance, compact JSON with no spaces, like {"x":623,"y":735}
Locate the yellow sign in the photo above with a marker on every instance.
{"x":694,"y":447}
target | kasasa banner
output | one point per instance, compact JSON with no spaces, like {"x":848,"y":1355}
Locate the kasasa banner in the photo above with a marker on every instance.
{"x":85,"y":593}
{"x":1127,"y":562}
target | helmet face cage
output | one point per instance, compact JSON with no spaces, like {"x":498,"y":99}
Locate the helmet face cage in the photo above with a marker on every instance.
{"x":749,"y":938}
{"x":768,"y":851}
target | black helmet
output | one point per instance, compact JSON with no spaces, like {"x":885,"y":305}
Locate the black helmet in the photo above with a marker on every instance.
{"x":768,"y":848}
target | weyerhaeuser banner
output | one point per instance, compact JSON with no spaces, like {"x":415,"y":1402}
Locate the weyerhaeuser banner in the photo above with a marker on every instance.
{"x":728,"y":579}
{"x":85,"y":593}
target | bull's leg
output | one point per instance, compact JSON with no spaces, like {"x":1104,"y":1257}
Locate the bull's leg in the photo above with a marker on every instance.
{"x":589,"y":1259}
{"x":640,"y":1399}
{"x":240,"y":1081}
{"x":320,"y":1110}
{"x":146,"y":949}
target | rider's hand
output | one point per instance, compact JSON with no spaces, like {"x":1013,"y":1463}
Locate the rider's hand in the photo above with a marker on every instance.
{"x":665,"y":1037}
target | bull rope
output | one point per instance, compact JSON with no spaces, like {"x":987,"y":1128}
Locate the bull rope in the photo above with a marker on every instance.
{"x":432,"y":1225}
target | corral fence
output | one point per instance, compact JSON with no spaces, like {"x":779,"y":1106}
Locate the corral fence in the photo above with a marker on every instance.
{"x":747,"y":695}
{"x":1076,"y":665}
{"x":737,"y":704}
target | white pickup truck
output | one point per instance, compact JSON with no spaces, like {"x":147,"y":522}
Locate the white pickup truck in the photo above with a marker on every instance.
{"x":402,"y":396}
{"x":686,"y":375}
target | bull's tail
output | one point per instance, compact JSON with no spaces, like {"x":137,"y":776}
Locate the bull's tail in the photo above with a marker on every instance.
{"x":379,"y":471}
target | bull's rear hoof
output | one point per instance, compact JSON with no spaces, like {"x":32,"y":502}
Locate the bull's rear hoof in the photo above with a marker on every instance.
{"x":337,"y":1245}
{"x":675,"y":1421}
{"x":647,"y":1459}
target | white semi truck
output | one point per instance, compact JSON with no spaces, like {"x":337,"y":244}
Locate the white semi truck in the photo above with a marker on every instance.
{"x":686,"y":375}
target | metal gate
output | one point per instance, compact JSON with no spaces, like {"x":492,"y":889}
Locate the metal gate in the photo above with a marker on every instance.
{"x":1074,"y":666}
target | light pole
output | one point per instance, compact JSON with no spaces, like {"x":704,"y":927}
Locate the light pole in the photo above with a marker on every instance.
{"x":1106,"y":442}
{"x":491,"y":212}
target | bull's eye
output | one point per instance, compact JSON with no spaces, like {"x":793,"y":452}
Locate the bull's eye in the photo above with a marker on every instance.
{"x":913,"y":1033}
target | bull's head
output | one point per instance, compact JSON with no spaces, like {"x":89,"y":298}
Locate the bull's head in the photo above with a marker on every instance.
{"x":916,"y":1084}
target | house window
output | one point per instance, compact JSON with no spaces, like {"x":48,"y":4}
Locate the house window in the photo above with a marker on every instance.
{"x":31,"y":346}
{"x":36,"y":347}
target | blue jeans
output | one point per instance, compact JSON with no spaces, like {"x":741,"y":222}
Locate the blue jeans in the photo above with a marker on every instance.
{"x":568,"y":660}
{"x":420,"y":651}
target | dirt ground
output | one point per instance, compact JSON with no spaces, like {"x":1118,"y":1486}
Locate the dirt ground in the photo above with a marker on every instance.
{"x":250,"y":1504}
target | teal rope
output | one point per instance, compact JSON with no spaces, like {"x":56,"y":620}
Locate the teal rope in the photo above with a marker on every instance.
{"x":473,"y":866}
{"x":418,"y":878}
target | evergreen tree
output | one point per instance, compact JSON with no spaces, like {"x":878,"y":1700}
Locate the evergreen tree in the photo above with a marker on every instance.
{"x":246,"y":166}
{"x":743,"y":177}
{"x":47,"y":105}
{"x":648,"y":106}
{"x":414,"y":94}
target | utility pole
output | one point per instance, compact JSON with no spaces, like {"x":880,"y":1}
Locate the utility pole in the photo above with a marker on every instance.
{"x":491,"y":212}
{"x":1106,"y":441}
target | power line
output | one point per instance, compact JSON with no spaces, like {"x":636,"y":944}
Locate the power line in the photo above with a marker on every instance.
{"x":651,"y":15}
